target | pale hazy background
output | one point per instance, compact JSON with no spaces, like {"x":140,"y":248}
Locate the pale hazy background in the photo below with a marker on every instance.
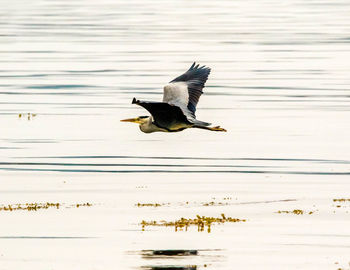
{"x":279,"y":85}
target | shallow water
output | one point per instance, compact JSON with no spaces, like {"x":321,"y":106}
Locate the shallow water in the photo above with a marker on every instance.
{"x":279,"y":85}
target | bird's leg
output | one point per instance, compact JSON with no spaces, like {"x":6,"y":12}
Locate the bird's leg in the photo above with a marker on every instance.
{"x":217,"y":128}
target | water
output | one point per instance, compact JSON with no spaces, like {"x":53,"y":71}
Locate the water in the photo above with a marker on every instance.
{"x":279,"y":85}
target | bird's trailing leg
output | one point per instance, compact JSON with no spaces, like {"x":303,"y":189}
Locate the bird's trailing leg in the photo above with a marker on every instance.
{"x":217,"y":128}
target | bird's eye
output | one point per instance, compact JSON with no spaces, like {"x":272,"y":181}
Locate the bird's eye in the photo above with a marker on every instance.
{"x":143,"y":117}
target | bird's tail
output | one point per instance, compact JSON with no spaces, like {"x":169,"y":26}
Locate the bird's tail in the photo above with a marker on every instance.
{"x":199,"y":123}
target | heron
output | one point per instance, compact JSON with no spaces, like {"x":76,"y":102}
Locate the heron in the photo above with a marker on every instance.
{"x":177,"y":111}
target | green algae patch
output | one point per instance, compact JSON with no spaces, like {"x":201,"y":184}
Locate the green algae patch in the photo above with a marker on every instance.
{"x":296,"y":212}
{"x":201,"y":222}
{"x":39,"y":206}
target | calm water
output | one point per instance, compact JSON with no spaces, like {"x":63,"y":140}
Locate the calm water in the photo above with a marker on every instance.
{"x":280,"y":85}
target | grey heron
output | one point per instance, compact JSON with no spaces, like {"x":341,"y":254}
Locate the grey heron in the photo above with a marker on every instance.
{"x":177,"y":111}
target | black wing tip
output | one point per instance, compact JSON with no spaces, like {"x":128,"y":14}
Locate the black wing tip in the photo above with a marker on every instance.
{"x":135,"y":101}
{"x":197,"y":66}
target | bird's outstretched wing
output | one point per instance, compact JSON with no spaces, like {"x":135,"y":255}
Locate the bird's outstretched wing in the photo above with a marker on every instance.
{"x":164,"y":115}
{"x":185,"y":90}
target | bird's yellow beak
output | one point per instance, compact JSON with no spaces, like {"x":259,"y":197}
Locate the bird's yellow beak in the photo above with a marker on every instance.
{"x":132,"y":120}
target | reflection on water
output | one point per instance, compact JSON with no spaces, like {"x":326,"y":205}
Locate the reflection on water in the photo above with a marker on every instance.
{"x":279,"y":85}
{"x":170,"y":267}
{"x":168,"y":252}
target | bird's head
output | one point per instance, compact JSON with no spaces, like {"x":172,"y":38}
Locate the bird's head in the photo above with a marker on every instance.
{"x":138,"y":120}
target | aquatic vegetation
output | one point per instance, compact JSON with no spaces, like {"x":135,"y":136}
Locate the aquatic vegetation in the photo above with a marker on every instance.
{"x":340,"y":268}
{"x":202,"y":222}
{"x":212,"y":203}
{"x":150,"y":204}
{"x":82,"y":204}
{"x":29,"y":206}
{"x":38,"y":206}
{"x":341,"y":200}
{"x":29,"y":116}
{"x":296,"y":212}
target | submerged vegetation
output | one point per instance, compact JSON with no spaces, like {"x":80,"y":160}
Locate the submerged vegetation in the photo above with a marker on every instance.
{"x":296,"y":212}
{"x":187,"y":203}
{"x":202,"y":222}
{"x":341,"y":200}
{"x":81,"y":204}
{"x":151,"y":204}
{"x":28,"y":116}
{"x":212,"y":203}
{"x":38,"y":206}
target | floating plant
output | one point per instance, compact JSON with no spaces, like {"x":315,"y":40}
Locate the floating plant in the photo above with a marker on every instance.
{"x":296,"y":212}
{"x":150,"y":204}
{"x":211,"y":203}
{"x":201,"y":222}
{"x":341,"y":200}
{"x":38,"y":206}
{"x":29,"y":116}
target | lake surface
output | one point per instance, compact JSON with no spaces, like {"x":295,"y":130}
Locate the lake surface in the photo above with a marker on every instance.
{"x":279,"y":84}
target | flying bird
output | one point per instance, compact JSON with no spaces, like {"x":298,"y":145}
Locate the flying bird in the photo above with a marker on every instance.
{"x":177,"y":111}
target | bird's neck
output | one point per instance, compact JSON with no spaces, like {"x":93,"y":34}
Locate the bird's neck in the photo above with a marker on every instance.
{"x":148,"y":126}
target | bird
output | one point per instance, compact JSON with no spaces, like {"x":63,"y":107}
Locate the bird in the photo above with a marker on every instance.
{"x":177,"y":111}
